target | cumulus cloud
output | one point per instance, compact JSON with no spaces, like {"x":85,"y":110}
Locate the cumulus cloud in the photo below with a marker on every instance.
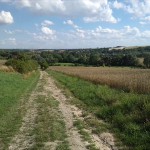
{"x":104,"y":15}
{"x":71,"y":23}
{"x":140,"y":9}
{"x":126,"y":32}
{"x":47,"y":23}
{"x":44,"y":6}
{"x":146,"y":34}
{"x":90,"y":10}
{"x":80,"y":33}
{"x":24,"y":3}
{"x":77,"y":38}
{"x":118,"y":5}
{"x":6,"y":17}
{"x":45,"y":34}
{"x":47,"y":31}
{"x":145,"y":20}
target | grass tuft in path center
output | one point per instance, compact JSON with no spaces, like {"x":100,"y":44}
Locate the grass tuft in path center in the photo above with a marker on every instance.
{"x":50,"y":130}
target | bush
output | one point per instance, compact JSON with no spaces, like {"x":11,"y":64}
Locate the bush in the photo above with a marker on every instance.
{"x":147,"y":61}
{"x":44,"y":65}
{"x":22,"y":66}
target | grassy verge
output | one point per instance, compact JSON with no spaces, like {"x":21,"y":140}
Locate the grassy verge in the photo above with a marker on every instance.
{"x":127,"y":113}
{"x":13,"y":88}
{"x":50,"y":130}
{"x":64,"y":64}
{"x":81,"y":126}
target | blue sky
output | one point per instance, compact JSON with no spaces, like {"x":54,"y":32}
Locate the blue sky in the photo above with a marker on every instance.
{"x":74,"y":23}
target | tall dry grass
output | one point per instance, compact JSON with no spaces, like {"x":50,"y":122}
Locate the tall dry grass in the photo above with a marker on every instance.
{"x":2,"y":61}
{"x":127,"y":79}
{"x":5,"y":68}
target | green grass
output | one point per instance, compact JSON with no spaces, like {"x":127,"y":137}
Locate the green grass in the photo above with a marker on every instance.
{"x":81,"y":126}
{"x":64,"y":64}
{"x":13,"y":87}
{"x":128,"y":114}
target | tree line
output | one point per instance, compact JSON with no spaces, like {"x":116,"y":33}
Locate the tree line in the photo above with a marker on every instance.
{"x":26,"y":61}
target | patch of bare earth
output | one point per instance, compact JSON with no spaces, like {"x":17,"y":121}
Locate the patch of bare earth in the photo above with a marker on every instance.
{"x":105,"y":141}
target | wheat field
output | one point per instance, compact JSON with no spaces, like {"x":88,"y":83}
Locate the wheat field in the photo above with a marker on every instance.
{"x":127,"y":79}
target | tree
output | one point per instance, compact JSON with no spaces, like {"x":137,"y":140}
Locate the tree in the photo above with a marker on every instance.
{"x":147,"y":61}
{"x":95,"y":60}
{"x":130,"y":60}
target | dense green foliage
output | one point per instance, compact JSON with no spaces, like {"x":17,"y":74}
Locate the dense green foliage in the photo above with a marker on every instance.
{"x":128,"y":113}
{"x":23,"y":66}
{"x":12,"y":87}
{"x":22,"y":63}
{"x":87,"y":57}
{"x":147,"y":61}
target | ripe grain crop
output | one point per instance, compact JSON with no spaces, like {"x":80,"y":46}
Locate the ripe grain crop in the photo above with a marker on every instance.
{"x":126,"y":79}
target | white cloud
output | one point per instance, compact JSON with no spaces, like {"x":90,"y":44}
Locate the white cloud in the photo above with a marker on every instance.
{"x":24,"y":3}
{"x":90,"y":10}
{"x":118,"y":5}
{"x":142,"y":22}
{"x":145,"y":20}
{"x":38,"y":6}
{"x":80,"y":33}
{"x":45,"y":34}
{"x":6,"y":17}
{"x":106,"y":34}
{"x":44,"y":6}
{"x":78,"y":38}
{"x":136,"y":7}
{"x":12,"y":41}
{"x":146,"y":34}
{"x":71,"y":23}
{"x":131,"y":31}
{"x":104,"y":15}
{"x":47,"y":31}
{"x":8,"y":31}
{"x":47,"y":23}
{"x":139,"y":8}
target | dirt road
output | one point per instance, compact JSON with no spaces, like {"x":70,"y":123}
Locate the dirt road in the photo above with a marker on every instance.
{"x":26,"y":137}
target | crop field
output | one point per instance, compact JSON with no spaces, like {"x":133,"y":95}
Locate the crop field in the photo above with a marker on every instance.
{"x":126,"y":79}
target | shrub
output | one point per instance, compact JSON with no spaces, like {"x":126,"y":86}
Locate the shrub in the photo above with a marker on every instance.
{"x":147,"y":61}
{"x":22,"y":66}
